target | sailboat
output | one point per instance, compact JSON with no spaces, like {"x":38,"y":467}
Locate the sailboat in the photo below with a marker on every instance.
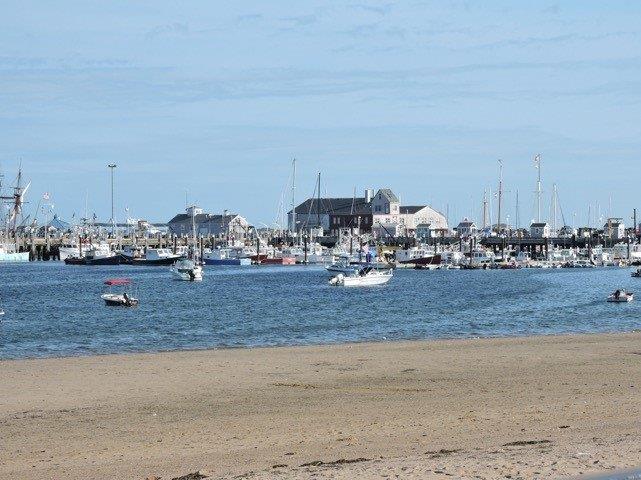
{"x":189,"y":269}
{"x":9,"y":251}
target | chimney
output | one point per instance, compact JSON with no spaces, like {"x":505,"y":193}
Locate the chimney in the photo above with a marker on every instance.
{"x":369,"y":194}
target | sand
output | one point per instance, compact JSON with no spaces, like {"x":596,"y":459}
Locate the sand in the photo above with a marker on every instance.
{"x":537,"y":407}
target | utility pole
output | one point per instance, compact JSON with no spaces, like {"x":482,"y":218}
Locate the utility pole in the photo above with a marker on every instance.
{"x":537,"y":165}
{"x":112,"y":167}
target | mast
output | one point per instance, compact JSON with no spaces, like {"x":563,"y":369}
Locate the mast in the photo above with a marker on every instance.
{"x":294,"y":229}
{"x":517,"y":213}
{"x":112,"y":167}
{"x":554,"y":208}
{"x":537,"y":165}
{"x":485,"y":212}
{"x":318,"y":207}
{"x":498,"y":223}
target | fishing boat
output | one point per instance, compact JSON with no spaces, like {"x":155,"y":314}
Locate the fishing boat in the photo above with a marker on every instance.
{"x":9,"y":251}
{"x":157,"y":256}
{"x":123,"y":299}
{"x":225,"y":256}
{"x":364,"y":277}
{"x":621,"y":296}
{"x":100,"y":254}
{"x":187,"y":270}
{"x":418,"y":256}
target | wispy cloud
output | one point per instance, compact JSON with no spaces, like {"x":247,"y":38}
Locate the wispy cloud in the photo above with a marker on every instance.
{"x":175,"y":28}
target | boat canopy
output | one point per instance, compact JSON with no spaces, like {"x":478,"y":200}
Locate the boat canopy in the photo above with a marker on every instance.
{"x":117,"y":281}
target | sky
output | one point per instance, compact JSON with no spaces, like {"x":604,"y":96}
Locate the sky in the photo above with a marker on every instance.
{"x":208,"y":102}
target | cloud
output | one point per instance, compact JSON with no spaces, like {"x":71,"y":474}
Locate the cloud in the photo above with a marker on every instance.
{"x":250,"y":17}
{"x":175,"y":28}
{"x":302,"y":20}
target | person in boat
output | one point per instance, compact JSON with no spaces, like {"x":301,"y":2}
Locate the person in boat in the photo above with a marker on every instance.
{"x":126,"y":298}
{"x":617,"y":294}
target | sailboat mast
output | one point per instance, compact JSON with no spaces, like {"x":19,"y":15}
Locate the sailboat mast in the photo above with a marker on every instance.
{"x":537,"y":165}
{"x":554,"y":207}
{"x":294,"y":229}
{"x":485,"y":209}
{"x":498,"y":223}
{"x":318,"y":207}
{"x":517,"y":213}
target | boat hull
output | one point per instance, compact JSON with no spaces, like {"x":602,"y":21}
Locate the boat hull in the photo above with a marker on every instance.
{"x":279,"y":261}
{"x":14,"y":257}
{"x":155,"y":262}
{"x":228,"y":261}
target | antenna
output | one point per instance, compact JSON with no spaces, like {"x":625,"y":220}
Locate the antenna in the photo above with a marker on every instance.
{"x":294,"y":229}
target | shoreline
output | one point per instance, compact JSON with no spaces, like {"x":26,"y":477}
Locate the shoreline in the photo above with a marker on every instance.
{"x":471,"y":408}
{"x":321,"y":345}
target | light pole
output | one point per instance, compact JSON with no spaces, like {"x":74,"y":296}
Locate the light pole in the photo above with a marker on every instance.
{"x":112,"y":167}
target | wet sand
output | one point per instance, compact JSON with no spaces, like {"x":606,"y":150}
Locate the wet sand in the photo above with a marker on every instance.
{"x":536,"y":407}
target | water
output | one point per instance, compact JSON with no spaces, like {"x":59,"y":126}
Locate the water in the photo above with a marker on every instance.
{"x":56,"y":310}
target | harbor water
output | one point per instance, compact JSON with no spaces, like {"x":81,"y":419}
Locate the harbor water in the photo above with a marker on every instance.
{"x":55,"y":310}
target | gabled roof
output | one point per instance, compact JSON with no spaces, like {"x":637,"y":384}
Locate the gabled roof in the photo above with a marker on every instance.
{"x":412,"y":209}
{"x":203,"y":218}
{"x":327,"y":206}
{"x":539,"y":225}
{"x":388,"y":194}
{"x":465,"y":223}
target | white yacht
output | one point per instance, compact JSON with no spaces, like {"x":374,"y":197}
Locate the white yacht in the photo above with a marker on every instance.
{"x":187,"y":270}
{"x":364,"y":277}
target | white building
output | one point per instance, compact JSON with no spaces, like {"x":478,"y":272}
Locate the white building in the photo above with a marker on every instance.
{"x":540,"y":230}
{"x":614,"y":229}
{"x":466,"y":228}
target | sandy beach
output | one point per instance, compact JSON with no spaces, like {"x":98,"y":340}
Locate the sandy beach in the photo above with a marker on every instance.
{"x":537,"y":407}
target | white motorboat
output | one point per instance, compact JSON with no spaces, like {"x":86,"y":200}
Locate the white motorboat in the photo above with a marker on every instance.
{"x":124,"y":299}
{"x":9,"y":253}
{"x":621,"y":296}
{"x":187,"y":270}
{"x":364,"y":277}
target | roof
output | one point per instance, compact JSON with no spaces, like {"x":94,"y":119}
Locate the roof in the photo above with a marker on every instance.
{"x":202,"y":218}
{"x":337,"y":206}
{"x":423,"y":225}
{"x":465,"y":223}
{"x":388,"y":194}
{"x":539,"y":225}
{"x":412,"y":209}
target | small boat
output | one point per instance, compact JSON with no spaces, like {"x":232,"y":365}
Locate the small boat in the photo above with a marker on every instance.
{"x":637,"y":274}
{"x":621,"y":296}
{"x":364,"y":277}
{"x":225,"y":256}
{"x":124,"y":299}
{"x":187,"y":270}
{"x":1,"y":312}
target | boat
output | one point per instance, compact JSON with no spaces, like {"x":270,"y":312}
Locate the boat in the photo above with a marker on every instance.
{"x":418,"y":256}
{"x":621,"y":296}
{"x":364,"y":277}
{"x":124,"y":299}
{"x":10,"y":254}
{"x":637,"y":274}
{"x":187,"y":270}
{"x":225,"y":256}
{"x":100,"y":254}
{"x":157,"y":256}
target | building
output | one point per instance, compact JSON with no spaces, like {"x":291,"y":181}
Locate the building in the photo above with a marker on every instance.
{"x":227,"y":225}
{"x":466,"y":228}
{"x":540,"y":230}
{"x":380,"y":213}
{"x":614,"y":229}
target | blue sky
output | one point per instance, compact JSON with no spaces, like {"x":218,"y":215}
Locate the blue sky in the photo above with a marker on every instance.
{"x":420,"y":96}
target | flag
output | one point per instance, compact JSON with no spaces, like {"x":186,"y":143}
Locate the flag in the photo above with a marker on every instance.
{"x":537,"y":161}
{"x":45,"y":196}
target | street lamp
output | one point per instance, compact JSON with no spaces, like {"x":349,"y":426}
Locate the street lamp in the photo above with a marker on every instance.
{"x":112,"y":167}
